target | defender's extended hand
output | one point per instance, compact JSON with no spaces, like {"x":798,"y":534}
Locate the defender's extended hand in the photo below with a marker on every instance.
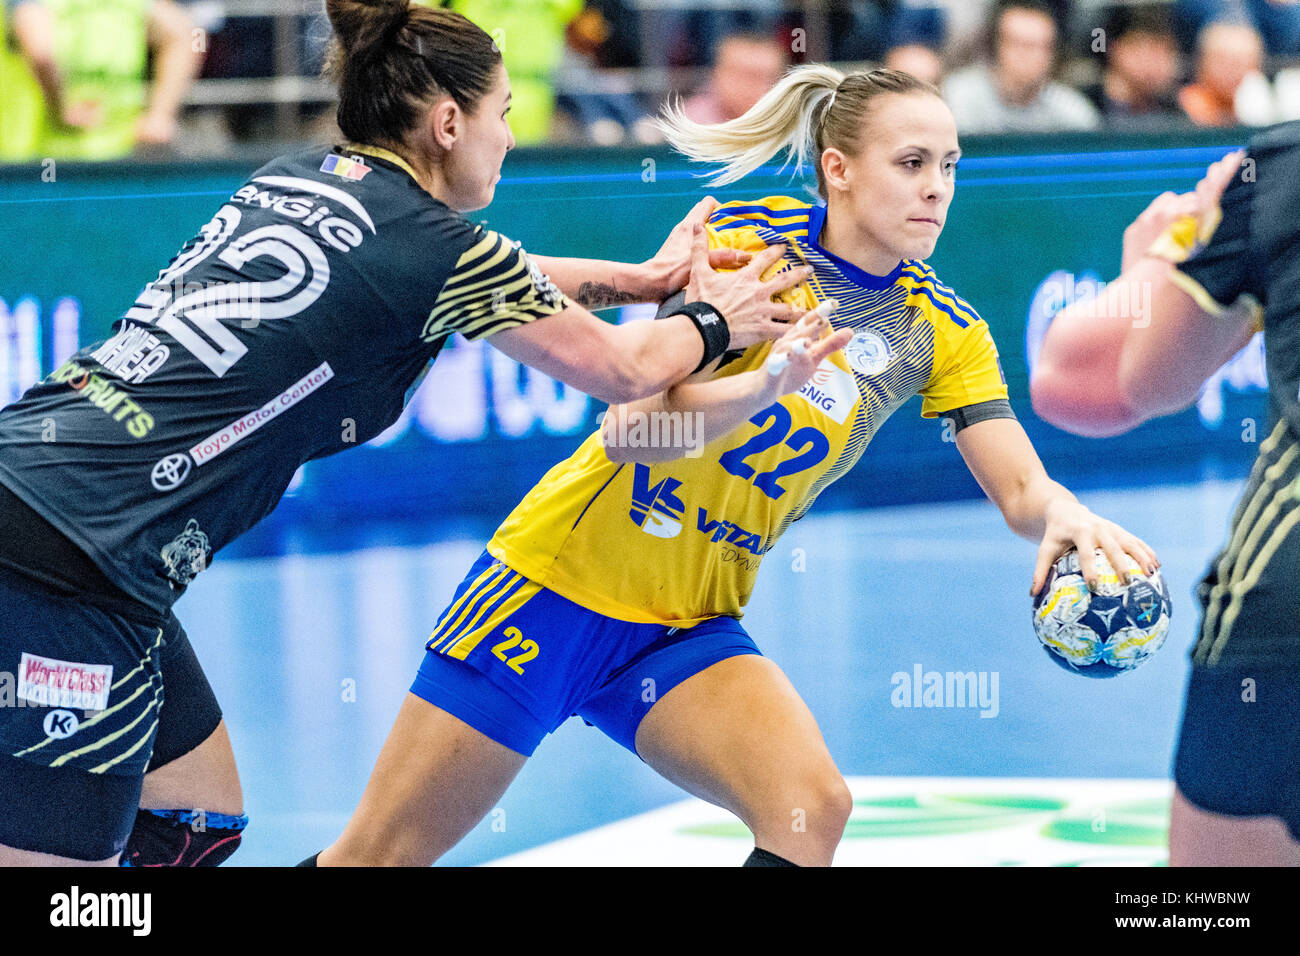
{"x":743,"y":297}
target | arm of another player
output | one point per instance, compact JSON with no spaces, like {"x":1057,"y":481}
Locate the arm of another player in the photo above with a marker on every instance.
{"x":725,"y":404}
{"x":598,"y":284}
{"x":1000,"y":456}
{"x":1104,"y":367}
{"x":623,"y":363}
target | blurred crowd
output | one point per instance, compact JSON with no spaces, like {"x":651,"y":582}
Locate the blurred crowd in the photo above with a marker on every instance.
{"x":103,"y":79}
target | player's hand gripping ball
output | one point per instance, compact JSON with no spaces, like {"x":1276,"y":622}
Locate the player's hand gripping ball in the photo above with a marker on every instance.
{"x":1104,"y":632}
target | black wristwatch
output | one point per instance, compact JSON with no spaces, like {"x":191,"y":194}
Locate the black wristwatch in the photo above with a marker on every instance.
{"x":711,"y":326}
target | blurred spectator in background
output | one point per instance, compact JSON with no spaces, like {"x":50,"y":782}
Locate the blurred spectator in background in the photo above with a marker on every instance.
{"x":603,"y":105}
{"x":612,"y":31}
{"x":530,"y":35}
{"x":966,"y":30}
{"x":1227,"y":55}
{"x":1278,"y":21}
{"x":1015,"y":93}
{"x":1139,"y":83}
{"x":91,"y":97}
{"x":869,"y":29}
{"x":746,"y":67}
{"x":691,"y":36}
{"x":1287,"y":88}
{"x":22,"y":108}
{"x":921,"y":61}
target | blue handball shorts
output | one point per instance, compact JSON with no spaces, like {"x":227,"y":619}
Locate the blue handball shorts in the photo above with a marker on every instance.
{"x":535,"y":659}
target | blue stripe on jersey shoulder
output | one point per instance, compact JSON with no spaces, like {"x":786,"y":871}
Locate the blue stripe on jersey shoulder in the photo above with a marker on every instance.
{"x":791,"y":229}
{"x":928,"y":273}
{"x":942,"y":307}
{"x":759,"y":215}
{"x":922,"y":271}
{"x":963,"y":316}
{"x":726,"y":212}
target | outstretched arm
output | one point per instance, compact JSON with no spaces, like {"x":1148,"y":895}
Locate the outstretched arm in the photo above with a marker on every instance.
{"x":724,"y":404}
{"x":999,"y":455}
{"x":1144,"y":346}
{"x":623,"y":363}
{"x":598,"y":284}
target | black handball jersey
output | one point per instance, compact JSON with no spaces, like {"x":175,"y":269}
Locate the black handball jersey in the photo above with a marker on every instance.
{"x":1249,"y":595}
{"x":1253,"y":256}
{"x":289,"y":328}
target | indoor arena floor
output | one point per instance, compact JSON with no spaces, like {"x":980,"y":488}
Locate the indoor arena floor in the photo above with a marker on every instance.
{"x":312,"y":654}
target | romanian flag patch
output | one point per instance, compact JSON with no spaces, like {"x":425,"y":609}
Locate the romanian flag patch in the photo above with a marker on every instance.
{"x":347,"y":168}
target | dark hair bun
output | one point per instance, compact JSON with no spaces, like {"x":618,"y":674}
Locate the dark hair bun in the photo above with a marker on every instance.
{"x":392,"y":60}
{"x":360,"y":24}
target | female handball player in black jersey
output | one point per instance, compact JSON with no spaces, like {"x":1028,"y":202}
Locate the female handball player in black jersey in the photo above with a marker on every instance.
{"x":1218,"y":264}
{"x":613,"y":591}
{"x":317,"y":294}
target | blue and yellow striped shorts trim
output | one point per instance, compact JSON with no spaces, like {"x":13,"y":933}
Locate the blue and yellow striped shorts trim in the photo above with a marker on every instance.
{"x":478,"y":608}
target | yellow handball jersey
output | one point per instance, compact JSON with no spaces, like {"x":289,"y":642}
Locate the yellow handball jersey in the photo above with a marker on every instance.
{"x":678,"y":542}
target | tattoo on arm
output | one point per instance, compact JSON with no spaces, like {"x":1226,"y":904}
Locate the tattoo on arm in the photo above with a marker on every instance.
{"x":599,"y":295}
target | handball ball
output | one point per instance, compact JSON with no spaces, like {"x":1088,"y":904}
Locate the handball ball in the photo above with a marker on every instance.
{"x":1104,"y":632}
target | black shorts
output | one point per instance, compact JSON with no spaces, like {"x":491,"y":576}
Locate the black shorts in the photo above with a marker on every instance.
{"x":1250,"y":597}
{"x":1239,"y":748}
{"x":90,"y":700}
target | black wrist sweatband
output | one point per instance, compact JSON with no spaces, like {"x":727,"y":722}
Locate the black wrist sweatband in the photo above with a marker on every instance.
{"x":712,"y":327}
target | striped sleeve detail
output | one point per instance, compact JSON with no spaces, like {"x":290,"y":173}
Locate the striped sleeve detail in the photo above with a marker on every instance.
{"x":1217,"y":249}
{"x":794,"y":229}
{"x":1214,"y":256}
{"x":776,"y":221}
{"x":776,"y":212}
{"x":495,"y":286}
{"x":944,"y":299}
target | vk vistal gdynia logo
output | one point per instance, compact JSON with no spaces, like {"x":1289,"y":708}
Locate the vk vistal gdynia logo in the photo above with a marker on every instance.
{"x":656,"y":509}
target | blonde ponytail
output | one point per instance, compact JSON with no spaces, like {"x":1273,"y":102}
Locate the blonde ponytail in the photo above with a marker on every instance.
{"x":784,"y":119}
{"x":810,"y":108}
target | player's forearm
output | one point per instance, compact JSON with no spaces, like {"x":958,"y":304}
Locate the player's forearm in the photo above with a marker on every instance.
{"x":700,"y":412}
{"x":1141,"y":349}
{"x":1027,"y":513}
{"x":1075,"y":384}
{"x":599,"y":284}
{"x":33,"y":29}
{"x":1003,"y":461}
{"x":178,"y":64}
{"x":1178,"y":345}
{"x":655,"y":355}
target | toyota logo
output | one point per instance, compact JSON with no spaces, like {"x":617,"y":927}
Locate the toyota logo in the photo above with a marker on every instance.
{"x":171,"y":471}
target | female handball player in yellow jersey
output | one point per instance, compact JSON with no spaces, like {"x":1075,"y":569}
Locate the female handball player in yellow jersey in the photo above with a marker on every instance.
{"x":317,"y":295}
{"x":613,"y":591}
